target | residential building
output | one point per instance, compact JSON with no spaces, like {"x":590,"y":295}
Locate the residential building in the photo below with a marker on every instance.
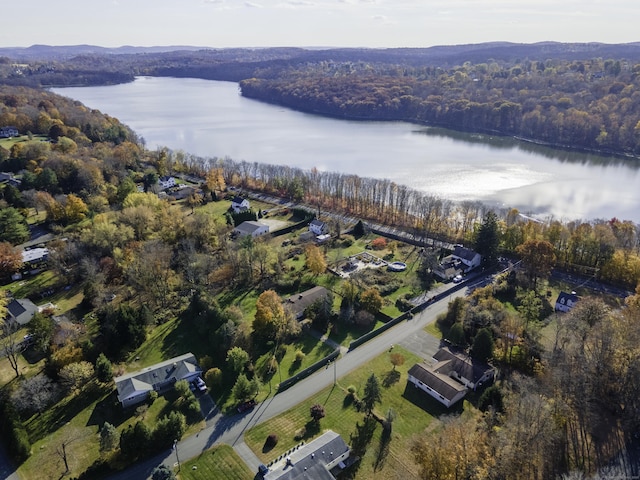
{"x":450,"y":376}
{"x":321,"y":459}
{"x":134,"y":388}
{"x":318,"y":227}
{"x":9,"y":179}
{"x":239,"y":204}
{"x":468,"y":257}
{"x":251,"y":227}
{"x":166,"y":181}
{"x":298,"y":303}
{"x":21,"y":310}
{"x":35,"y":255}
{"x":566,"y":301}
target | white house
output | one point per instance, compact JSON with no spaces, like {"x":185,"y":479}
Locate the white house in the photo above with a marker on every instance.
{"x":468,"y":257}
{"x":318,"y":227}
{"x":440,"y":386}
{"x":239,"y":204}
{"x":135,"y":387}
{"x":451,"y":376}
{"x":566,"y":301}
{"x":35,"y":255}
{"x":166,"y":182}
{"x":253,"y":228}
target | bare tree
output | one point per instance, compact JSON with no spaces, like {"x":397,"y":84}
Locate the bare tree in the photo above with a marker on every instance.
{"x":10,"y":345}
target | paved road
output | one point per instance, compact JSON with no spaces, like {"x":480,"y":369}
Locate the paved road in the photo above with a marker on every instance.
{"x":230,"y":429}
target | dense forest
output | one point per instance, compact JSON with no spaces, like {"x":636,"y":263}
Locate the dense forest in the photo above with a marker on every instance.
{"x":581,"y":96}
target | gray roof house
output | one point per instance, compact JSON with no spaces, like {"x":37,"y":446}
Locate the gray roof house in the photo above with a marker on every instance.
{"x":21,"y":310}
{"x":134,"y":388}
{"x":299,"y":302}
{"x":451,"y":376}
{"x":251,"y":227}
{"x":318,"y":227}
{"x":566,"y":301}
{"x":238,"y":204}
{"x":320,"y":459}
{"x":467,"y":256}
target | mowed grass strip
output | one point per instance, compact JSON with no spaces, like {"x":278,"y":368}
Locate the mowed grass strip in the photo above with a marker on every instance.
{"x":414,"y":411}
{"x":218,"y":462}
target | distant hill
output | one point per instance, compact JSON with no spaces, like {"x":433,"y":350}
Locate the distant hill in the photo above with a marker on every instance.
{"x":451,"y":53}
{"x":49,"y":52}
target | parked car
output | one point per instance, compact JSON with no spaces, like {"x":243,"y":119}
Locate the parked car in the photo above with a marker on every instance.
{"x":200,"y":385}
{"x":243,"y":407}
{"x":457,"y":279}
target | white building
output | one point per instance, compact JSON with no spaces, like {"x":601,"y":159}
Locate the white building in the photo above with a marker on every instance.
{"x":253,"y":228}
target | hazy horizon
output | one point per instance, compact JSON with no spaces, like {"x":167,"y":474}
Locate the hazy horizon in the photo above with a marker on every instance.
{"x":318,"y":23}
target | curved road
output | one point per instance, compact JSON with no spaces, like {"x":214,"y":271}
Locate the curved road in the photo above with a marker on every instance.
{"x":230,"y":429}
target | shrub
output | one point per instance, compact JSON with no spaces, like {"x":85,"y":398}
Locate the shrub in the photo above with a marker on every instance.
{"x":213,"y":377}
{"x":491,"y":397}
{"x":379,"y":243}
{"x":271,"y":441}
{"x":299,"y":356}
{"x":403,"y":305}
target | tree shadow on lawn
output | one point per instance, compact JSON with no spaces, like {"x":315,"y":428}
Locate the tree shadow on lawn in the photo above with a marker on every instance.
{"x":109,"y":410}
{"x":360,"y":440}
{"x":390,"y":378}
{"x":49,"y":421}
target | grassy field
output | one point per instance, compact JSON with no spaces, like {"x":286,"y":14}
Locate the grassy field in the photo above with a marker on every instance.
{"x":414,"y":411}
{"x":218,"y":462}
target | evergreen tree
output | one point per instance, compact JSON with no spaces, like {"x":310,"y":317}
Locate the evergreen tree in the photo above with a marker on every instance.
{"x":488,"y":239}
{"x":372,"y":393}
{"x":104,"y":369}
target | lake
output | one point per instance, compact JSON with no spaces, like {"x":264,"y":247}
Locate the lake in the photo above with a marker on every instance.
{"x":211,"y":119}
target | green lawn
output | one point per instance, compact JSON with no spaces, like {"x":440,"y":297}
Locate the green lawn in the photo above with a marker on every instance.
{"x":414,"y":413}
{"x":76,"y":420}
{"x":218,"y":462}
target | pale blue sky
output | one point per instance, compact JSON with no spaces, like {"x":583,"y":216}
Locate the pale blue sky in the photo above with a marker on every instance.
{"x":307,"y":23}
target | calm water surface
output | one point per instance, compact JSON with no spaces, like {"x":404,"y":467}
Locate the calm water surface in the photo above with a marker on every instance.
{"x":211,"y":119}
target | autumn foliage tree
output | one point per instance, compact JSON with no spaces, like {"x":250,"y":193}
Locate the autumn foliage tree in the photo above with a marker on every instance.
{"x":538,"y":258}
{"x":10,"y":259}
{"x":272,"y":321}
{"x":316,"y":261}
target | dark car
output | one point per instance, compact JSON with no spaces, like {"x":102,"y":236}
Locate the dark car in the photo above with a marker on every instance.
{"x":262,"y":469}
{"x":243,"y":407}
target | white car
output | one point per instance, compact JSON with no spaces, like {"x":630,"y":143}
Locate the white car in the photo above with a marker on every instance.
{"x":457,"y":279}
{"x":200,"y":385}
